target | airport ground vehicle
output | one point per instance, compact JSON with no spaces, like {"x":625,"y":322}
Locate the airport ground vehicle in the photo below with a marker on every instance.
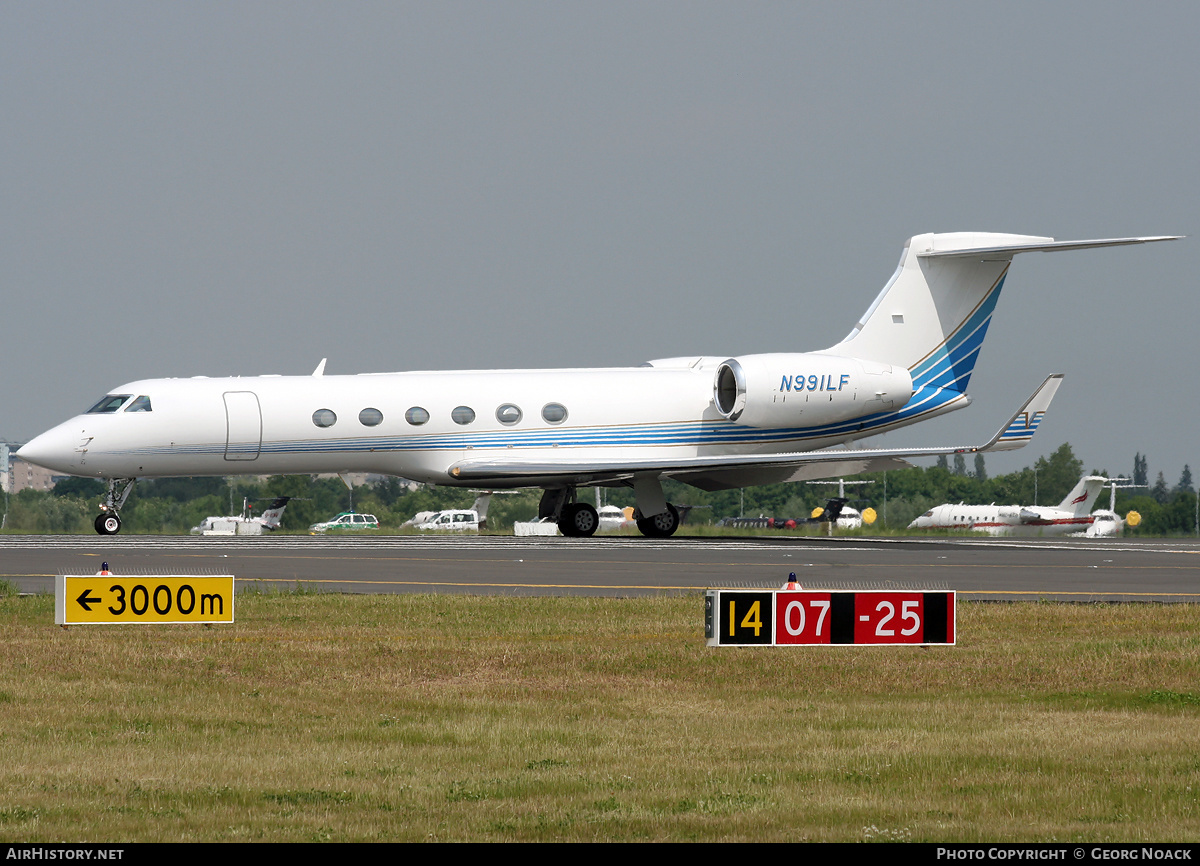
{"x":346,"y":520}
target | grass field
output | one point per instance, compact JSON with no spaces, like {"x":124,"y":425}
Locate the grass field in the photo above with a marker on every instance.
{"x":392,"y":718}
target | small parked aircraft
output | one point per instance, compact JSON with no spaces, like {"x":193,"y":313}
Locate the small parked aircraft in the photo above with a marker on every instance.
{"x":838,"y":512}
{"x":470,"y":519}
{"x":1105,"y":521}
{"x":245,"y":523}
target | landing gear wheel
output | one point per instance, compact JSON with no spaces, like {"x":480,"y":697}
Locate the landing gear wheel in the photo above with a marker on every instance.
{"x":660,"y":525}
{"x":109,"y":523}
{"x":578,"y":520}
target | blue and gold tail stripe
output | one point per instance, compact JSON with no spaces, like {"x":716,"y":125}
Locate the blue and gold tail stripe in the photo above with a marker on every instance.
{"x":1022,"y":427}
{"x":954,"y":360}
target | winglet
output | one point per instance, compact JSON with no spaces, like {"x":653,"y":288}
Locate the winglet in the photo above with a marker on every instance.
{"x":1021,"y":427}
{"x":320,"y":371}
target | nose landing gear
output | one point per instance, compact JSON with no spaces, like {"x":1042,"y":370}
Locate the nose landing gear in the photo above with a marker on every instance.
{"x":109,"y":521}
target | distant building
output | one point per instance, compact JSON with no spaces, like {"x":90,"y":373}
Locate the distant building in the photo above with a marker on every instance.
{"x":17,"y":475}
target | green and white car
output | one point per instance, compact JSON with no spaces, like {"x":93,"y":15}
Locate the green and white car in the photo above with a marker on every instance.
{"x":347,"y":520}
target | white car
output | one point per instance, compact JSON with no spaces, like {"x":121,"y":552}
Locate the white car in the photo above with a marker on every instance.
{"x":347,"y":520}
{"x":452,"y":520}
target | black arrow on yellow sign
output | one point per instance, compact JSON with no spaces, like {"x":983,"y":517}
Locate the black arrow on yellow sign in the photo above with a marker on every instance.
{"x":85,"y":600}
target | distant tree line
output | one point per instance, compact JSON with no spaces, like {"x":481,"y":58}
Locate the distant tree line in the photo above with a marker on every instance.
{"x":174,"y":505}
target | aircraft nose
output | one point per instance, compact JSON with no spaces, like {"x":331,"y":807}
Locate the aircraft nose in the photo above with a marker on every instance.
{"x":55,"y":449}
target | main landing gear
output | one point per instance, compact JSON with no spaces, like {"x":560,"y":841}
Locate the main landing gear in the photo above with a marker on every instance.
{"x":580,"y":520}
{"x":109,"y":521}
{"x":574,"y":519}
{"x":660,"y":525}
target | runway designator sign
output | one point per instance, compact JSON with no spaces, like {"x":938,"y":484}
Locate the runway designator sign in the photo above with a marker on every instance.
{"x":90,"y":599}
{"x":828,"y":618}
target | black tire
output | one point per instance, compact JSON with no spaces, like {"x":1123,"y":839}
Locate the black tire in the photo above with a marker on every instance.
{"x":108,"y":524}
{"x":578,"y":520}
{"x":660,"y":525}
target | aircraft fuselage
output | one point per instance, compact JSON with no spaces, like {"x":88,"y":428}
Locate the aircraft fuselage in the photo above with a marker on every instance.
{"x":417,"y":425}
{"x":1004,"y":520}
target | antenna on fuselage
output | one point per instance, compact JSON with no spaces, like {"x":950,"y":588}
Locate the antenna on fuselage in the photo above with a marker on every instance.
{"x":1112,"y":491}
{"x":841,"y":483}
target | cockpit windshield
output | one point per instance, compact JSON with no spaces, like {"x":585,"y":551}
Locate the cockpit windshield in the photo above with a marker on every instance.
{"x":108,"y":404}
{"x":141,"y":404}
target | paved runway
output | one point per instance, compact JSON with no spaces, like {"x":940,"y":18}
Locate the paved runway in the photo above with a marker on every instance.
{"x":1079,"y":569}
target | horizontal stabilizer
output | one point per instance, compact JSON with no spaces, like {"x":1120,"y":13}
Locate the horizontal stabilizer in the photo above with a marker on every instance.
{"x":1006,"y":252}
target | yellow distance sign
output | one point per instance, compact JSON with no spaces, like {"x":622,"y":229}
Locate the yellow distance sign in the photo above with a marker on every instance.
{"x":92,"y":599}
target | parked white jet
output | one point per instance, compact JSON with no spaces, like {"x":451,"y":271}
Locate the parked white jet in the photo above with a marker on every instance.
{"x":712,"y":422}
{"x":1069,"y":516}
{"x":455,"y":519}
{"x":246,"y":523}
{"x":838,"y":512}
{"x":1106,"y":523}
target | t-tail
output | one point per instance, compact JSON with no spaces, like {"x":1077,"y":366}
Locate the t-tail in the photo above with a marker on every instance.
{"x":1083,"y":496}
{"x":933,"y":314}
{"x":273,"y":513}
{"x":480,"y":507}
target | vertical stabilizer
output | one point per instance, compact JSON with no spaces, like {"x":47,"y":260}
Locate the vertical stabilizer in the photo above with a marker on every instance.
{"x":934,"y":312}
{"x":273,"y":514}
{"x":482,"y":501}
{"x":1083,"y":496}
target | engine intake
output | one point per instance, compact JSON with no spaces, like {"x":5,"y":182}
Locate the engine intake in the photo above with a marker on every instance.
{"x":729,"y":393}
{"x":783,"y":390}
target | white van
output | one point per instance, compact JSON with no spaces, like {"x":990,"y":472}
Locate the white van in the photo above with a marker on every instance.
{"x":452,"y":520}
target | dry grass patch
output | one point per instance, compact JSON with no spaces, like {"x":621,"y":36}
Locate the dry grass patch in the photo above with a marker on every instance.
{"x":325,"y":717}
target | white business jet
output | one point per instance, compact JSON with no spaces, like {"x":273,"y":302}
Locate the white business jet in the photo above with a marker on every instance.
{"x":713,"y":422}
{"x":245,"y":523}
{"x":1070,"y":516}
{"x":1106,"y":523}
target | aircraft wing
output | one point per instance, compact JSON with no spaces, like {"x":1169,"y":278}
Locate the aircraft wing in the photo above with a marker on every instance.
{"x":719,"y":472}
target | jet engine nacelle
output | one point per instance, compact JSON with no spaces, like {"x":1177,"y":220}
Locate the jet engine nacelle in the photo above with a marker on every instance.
{"x":788,"y":390}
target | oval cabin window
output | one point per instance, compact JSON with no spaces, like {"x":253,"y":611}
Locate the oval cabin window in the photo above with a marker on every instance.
{"x":554,"y":413}
{"x":508,"y":414}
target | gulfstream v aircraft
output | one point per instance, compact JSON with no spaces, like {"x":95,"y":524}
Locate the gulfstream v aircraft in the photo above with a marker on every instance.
{"x":712,"y":422}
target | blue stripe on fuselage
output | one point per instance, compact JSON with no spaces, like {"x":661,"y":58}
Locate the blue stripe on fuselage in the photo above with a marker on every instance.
{"x":938,"y":379}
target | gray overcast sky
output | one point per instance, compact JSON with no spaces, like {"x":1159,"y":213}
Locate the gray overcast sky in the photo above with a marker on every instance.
{"x":245,"y":188}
